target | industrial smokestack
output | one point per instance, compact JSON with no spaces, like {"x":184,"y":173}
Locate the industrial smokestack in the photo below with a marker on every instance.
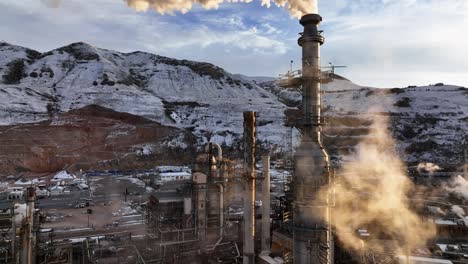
{"x":249,"y":197}
{"x":312,"y":238}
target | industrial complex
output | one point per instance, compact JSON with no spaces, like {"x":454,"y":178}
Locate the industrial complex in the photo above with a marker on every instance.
{"x":258,"y":207}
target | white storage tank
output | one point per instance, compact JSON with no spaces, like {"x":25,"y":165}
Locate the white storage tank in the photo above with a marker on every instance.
{"x":187,"y":206}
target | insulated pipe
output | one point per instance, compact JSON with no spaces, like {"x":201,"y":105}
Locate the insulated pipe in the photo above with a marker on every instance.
{"x":208,"y":147}
{"x":266,"y":239}
{"x":221,"y":210}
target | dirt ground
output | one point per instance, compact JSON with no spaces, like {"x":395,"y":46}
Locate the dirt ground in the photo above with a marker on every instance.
{"x":108,"y":205}
{"x":77,"y":217}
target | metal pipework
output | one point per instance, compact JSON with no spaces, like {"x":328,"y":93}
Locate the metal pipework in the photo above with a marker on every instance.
{"x":266,"y":237}
{"x":221,"y":211}
{"x":312,"y":239}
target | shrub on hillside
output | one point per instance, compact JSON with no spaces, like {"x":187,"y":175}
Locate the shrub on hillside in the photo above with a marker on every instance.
{"x":15,"y":71}
{"x":404,"y":102}
{"x":395,"y":91}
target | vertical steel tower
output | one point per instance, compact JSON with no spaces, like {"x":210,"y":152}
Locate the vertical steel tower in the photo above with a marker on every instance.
{"x":312,"y":237}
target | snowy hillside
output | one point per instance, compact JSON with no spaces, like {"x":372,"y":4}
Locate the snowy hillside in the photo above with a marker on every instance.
{"x":428,"y":122}
{"x":197,"y":96}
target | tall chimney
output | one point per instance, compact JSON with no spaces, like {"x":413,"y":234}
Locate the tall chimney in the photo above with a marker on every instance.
{"x":312,"y":238}
{"x":249,"y":197}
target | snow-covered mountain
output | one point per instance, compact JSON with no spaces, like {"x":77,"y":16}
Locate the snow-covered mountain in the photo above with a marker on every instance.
{"x":192,"y":95}
{"x":428,"y":122}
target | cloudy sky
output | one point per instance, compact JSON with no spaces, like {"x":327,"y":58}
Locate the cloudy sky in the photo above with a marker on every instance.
{"x":384,"y":43}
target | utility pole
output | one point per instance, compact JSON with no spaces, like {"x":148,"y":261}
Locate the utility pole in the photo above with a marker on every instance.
{"x":249,"y":197}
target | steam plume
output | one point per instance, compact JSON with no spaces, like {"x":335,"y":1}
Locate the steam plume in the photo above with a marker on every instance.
{"x":458,"y":186}
{"x":428,"y":167}
{"x":372,"y":195}
{"x":458,"y":211}
{"x":436,"y":210}
{"x":297,"y":8}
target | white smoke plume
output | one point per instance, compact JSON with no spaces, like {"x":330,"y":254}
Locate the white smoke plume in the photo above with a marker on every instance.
{"x":373,"y":194}
{"x":428,"y":167}
{"x":296,"y":8}
{"x":458,"y":186}
{"x":436,"y":210}
{"x":458,"y":211}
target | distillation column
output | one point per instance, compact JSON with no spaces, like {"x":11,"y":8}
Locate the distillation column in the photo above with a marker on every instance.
{"x":312,"y":238}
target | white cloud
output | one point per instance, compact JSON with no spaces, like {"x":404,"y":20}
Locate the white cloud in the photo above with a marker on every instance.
{"x":383,"y":42}
{"x":401,"y":42}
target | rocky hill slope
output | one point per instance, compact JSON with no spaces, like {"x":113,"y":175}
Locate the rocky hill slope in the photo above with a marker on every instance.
{"x":91,"y":137}
{"x":429,"y":122}
{"x":197,"y":96}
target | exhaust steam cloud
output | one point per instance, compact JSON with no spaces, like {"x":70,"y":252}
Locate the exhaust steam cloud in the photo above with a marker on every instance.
{"x":296,"y":8}
{"x":428,"y":167}
{"x":458,"y":211}
{"x":458,"y":186}
{"x":372,"y":196}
